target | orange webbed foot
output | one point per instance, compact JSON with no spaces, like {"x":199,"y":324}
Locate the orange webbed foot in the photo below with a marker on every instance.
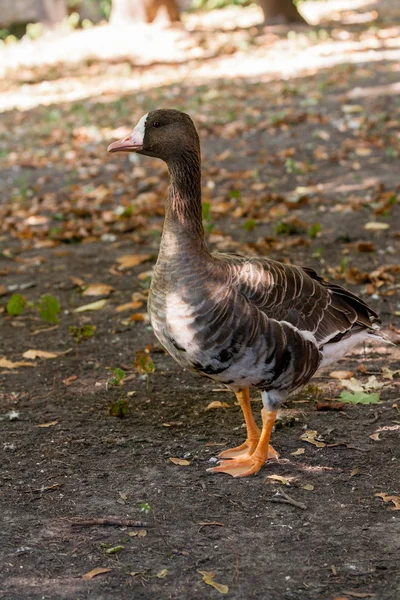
{"x":249,"y":464}
{"x":245,"y":449}
{"x":239,"y":467}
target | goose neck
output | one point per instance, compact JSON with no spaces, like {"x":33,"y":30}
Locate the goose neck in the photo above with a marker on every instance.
{"x":183,"y":208}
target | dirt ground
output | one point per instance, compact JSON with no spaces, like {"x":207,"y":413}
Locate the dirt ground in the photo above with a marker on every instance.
{"x":297,"y":169}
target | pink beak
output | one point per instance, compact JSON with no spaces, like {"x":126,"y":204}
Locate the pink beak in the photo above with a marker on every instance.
{"x":132,"y":143}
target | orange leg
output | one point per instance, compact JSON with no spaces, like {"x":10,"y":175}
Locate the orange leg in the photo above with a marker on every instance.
{"x":251,"y":463}
{"x":253,"y":432}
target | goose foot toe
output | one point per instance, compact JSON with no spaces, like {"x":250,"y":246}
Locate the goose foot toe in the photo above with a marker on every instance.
{"x":239,"y":467}
{"x":245,"y":450}
{"x":272,"y":453}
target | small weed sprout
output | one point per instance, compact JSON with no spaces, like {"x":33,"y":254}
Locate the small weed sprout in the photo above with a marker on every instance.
{"x":16,"y":305}
{"x":293,"y":167}
{"x":144,"y":365}
{"x":120,"y":408}
{"x":250,"y":225}
{"x":48,"y":306}
{"x":344,"y":263}
{"x":314,"y":230}
{"x":80,"y":334}
{"x":145,"y":508}
{"x":118,"y":377}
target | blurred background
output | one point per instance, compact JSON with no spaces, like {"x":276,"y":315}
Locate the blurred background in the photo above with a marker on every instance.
{"x":297,"y":106}
{"x":296,"y":103}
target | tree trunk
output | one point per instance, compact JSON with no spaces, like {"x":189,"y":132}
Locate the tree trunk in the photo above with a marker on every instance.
{"x":88,"y":9}
{"x":32,"y":11}
{"x":277,"y":12}
{"x":142,"y":11}
{"x":52,"y":11}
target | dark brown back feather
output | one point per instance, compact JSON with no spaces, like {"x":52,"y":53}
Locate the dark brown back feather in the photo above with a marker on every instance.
{"x":347,"y":299}
{"x":303,"y":298}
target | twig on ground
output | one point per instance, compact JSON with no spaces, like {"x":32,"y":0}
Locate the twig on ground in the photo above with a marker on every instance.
{"x":375,"y":417}
{"x":43,"y":489}
{"x":282,"y":496}
{"x":108,"y":521}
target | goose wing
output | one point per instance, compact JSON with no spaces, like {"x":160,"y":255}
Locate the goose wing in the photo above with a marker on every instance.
{"x":302,"y":298}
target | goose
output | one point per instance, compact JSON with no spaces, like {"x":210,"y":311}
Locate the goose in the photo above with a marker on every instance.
{"x":246,"y":322}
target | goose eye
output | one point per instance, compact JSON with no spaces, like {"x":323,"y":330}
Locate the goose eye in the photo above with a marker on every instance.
{"x":156,"y":124}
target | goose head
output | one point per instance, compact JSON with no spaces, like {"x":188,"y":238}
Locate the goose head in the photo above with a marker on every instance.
{"x":164,"y":133}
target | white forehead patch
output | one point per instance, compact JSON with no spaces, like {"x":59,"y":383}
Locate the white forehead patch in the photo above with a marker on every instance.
{"x":141,"y":126}
{"x":137,"y":135}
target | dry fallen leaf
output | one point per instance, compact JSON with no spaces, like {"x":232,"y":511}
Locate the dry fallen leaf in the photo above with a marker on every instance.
{"x":70,"y":380}
{"x":352,"y":384}
{"x":114,"y":549}
{"x":308,"y":486}
{"x":352,"y":108}
{"x":145,"y":275}
{"x":139,"y":317}
{"x":217,"y":404}
{"x":386,"y":498}
{"x":180,"y":461}
{"x":208,"y":578}
{"x":364,"y":246}
{"x":309,"y":436}
{"x":129,"y":306}
{"x":375,"y":436}
{"x":320,"y":406}
{"x":94,"y":572}
{"x":389,"y":374}
{"x":32,"y":261}
{"x":8,"y":364}
{"x":162,"y":574}
{"x":128,"y":261}
{"x":98,"y":289}
{"x":98,"y":305}
{"x":77,"y":281}
{"x":32,"y":354}
{"x":298,"y":452}
{"x":373,"y":384}
{"x":341,"y":374}
{"x":44,"y":425}
{"x":136,"y":573}
{"x":279,"y":479}
{"x":138,"y":533}
{"x":357,"y":386}
{"x":376,"y":226}
{"x":45,"y":330}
